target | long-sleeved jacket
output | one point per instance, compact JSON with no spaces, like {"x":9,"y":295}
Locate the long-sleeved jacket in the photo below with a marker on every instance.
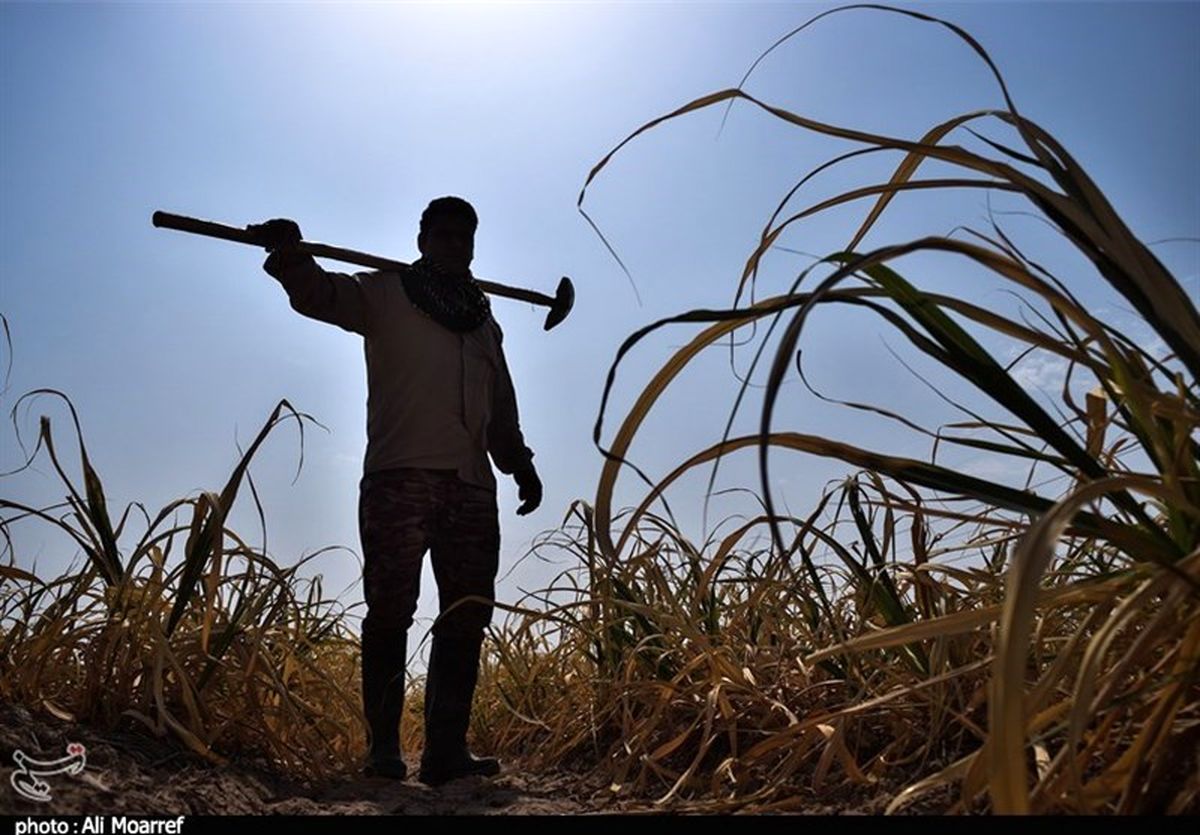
{"x":435,"y":398}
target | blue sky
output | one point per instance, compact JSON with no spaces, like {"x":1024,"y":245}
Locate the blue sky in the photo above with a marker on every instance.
{"x":350,"y":118}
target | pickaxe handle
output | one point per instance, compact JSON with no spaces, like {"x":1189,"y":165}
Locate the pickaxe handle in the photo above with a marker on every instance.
{"x":560,"y":303}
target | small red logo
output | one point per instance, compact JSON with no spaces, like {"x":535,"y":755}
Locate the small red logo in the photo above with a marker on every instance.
{"x":26,"y":778}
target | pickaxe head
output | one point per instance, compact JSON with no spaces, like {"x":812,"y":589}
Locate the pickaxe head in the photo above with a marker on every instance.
{"x":564,"y":300}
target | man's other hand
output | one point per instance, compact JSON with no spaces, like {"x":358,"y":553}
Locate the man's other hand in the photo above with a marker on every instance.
{"x":278,"y":234}
{"x":529,"y":488}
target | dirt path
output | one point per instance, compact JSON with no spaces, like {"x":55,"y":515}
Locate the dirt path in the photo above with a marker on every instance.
{"x":131,"y":773}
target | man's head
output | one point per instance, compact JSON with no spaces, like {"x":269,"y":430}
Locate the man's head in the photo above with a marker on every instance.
{"x":447,"y":235}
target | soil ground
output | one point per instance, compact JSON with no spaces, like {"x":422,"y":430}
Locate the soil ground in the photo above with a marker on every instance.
{"x":133,"y":773}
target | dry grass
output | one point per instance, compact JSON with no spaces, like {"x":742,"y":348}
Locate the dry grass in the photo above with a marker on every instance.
{"x":223,"y":649}
{"x":1057,"y":673}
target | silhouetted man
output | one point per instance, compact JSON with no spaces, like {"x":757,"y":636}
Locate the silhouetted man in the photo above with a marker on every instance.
{"x":439,"y":400}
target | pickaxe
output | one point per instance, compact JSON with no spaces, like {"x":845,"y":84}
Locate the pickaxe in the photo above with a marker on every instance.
{"x":560,"y":304}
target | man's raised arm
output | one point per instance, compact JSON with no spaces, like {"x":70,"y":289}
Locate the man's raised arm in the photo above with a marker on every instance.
{"x":336,"y":298}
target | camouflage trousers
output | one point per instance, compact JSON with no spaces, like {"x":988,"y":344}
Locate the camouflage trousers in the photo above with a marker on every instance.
{"x":403,"y":513}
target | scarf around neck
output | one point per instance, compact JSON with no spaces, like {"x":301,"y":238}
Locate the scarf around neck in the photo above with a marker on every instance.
{"x":453,"y":301}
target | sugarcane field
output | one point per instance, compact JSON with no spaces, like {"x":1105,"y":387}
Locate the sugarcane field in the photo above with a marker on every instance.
{"x":572,"y":411}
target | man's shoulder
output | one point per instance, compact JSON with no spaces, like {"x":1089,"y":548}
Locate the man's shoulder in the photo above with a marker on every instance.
{"x":381,"y":281}
{"x":385,"y":291}
{"x":380,"y":275}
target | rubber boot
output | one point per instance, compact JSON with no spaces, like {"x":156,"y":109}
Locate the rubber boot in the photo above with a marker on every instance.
{"x":449,"y":690}
{"x":383,"y":666}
